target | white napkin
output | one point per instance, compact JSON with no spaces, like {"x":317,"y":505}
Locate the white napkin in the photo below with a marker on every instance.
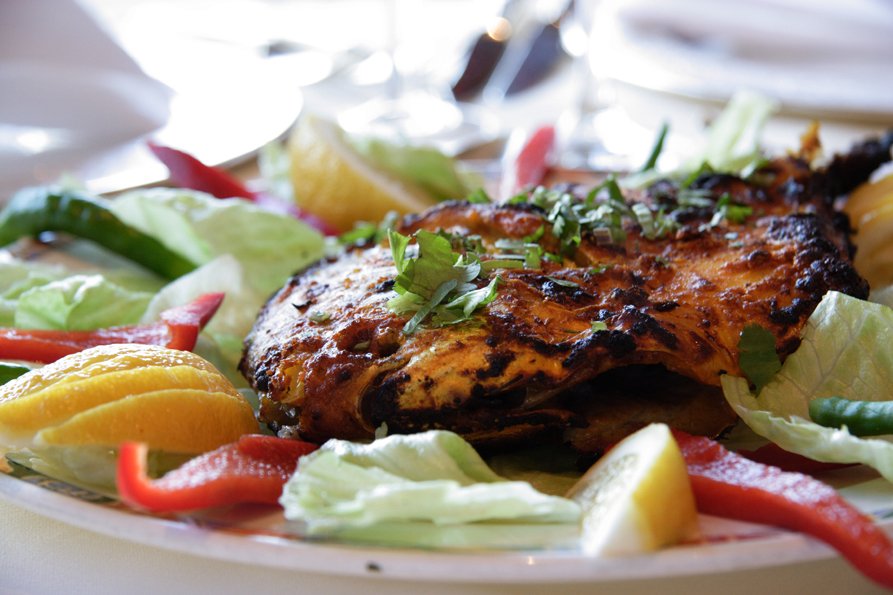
{"x":69,"y":90}
{"x":814,"y":29}
{"x":821,"y":58}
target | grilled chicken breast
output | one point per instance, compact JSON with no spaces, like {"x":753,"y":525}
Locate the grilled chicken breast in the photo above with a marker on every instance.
{"x":582,"y":350}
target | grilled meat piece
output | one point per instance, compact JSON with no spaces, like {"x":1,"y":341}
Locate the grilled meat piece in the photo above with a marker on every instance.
{"x":531,"y":365}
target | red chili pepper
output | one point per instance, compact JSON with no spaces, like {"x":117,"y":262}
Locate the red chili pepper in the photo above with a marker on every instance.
{"x":250,"y":470}
{"x":529,"y":166}
{"x":728,"y":485}
{"x":178,"y":328}
{"x":188,"y":172}
{"x":776,"y":456}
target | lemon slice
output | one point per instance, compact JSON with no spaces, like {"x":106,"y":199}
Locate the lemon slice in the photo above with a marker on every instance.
{"x":638,"y":497}
{"x":189,"y":421}
{"x":867,"y":198}
{"x":333,"y":182}
{"x":174,"y":400}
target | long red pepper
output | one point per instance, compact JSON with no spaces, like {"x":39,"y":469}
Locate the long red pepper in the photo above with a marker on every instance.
{"x":188,"y":172}
{"x":177,"y":328}
{"x":528,"y":168}
{"x":251,"y":470}
{"x":728,"y":485}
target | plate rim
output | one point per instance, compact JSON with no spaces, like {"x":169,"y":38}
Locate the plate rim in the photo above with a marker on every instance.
{"x":775,"y":548}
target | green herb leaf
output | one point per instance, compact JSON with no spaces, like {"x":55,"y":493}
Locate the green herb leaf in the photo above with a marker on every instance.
{"x":657,"y":149}
{"x":438,"y":282}
{"x":319,"y":317}
{"x":757,"y":356}
{"x":598,"y":325}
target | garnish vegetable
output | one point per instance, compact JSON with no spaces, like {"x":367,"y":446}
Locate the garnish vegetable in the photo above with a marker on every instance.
{"x":177,"y":328}
{"x":728,"y":485}
{"x":35,"y":210}
{"x":861,"y":418}
{"x":251,"y":470}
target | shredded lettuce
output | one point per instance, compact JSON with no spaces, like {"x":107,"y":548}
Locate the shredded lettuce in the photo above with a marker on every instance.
{"x":733,"y":140}
{"x":58,"y":297}
{"x":847,"y":351}
{"x":221,"y":341}
{"x":430,"y":488}
{"x":270,"y":246}
{"x":426,"y":167}
{"x":732,"y":144}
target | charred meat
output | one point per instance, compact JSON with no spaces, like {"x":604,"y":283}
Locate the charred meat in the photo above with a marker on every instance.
{"x":618,"y":322}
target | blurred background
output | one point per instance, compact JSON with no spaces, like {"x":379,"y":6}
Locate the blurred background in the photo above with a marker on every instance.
{"x":86,"y":81}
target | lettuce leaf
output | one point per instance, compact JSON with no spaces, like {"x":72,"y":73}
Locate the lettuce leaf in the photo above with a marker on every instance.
{"x":733,"y":140}
{"x":422,"y":488}
{"x":426,"y":167}
{"x":221,"y":340}
{"x":269,"y":246}
{"x":732,"y":144}
{"x":53,"y":296}
{"x":847,"y":351}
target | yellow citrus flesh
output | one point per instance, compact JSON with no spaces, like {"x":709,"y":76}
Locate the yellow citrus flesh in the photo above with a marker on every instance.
{"x":868,"y":198}
{"x":99,"y":360}
{"x":870,"y":208}
{"x":173,"y":420}
{"x":333,"y":182}
{"x":174,"y":400}
{"x":56,"y":403}
{"x":638,"y":497}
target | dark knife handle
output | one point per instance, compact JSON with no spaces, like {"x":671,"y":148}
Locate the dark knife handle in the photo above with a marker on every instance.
{"x":482,"y":59}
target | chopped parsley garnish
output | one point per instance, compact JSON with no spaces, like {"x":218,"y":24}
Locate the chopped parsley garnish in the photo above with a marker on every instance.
{"x":726,"y":210}
{"x":369,"y":233}
{"x":657,"y":149}
{"x":436,"y":281}
{"x":598,"y":325}
{"x":319,"y":317}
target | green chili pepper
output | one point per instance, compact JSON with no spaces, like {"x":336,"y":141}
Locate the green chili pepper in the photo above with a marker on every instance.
{"x":862,"y":418}
{"x":35,"y":210}
{"x":10,"y":371}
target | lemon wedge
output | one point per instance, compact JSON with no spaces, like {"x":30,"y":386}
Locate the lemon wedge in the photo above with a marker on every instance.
{"x":173,"y":400}
{"x":638,"y":497}
{"x":332,"y":181}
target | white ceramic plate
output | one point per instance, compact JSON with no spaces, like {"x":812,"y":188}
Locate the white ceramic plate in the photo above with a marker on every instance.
{"x":258,"y":536}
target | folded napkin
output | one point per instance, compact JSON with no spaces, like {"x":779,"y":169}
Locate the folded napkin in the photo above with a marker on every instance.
{"x":815,"y":29}
{"x":69,"y":90}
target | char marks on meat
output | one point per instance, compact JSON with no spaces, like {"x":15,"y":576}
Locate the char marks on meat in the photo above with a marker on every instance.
{"x":531,"y":366}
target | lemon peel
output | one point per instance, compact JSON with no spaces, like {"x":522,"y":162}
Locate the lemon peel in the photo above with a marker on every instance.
{"x":638,"y":497}
{"x":332,"y":181}
{"x":174,"y":400}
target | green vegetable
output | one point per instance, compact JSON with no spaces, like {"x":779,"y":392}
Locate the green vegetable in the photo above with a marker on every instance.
{"x":430,"y":488}
{"x":733,"y":139}
{"x":437,"y":282}
{"x":657,"y":149}
{"x":426,"y":167}
{"x":732,"y":144}
{"x":846,"y":350}
{"x":270,"y":246}
{"x":758,"y":358}
{"x":861,"y":418}
{"x":36,"y":210}
{"x":9,"y":371}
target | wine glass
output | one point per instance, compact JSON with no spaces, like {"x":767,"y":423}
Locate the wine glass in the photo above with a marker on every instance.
{"x":416,"y":106}
{"x":587,"y":131}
